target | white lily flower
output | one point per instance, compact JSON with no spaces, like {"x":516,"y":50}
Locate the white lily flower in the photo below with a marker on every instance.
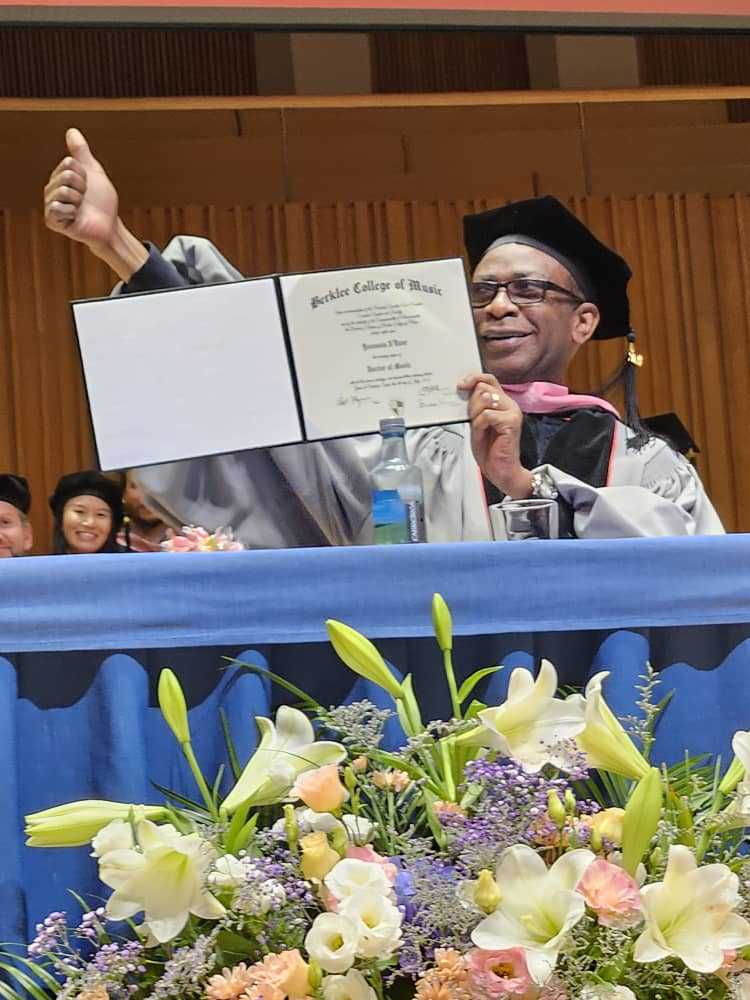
{"x":332,"y":942}
{"x":377,"y":920}
{"x":352,"y":986}
{"x":352,"y":875}
{"x":165,"y":879}
{"x":531,"y":723}
{"x":689,"y":915}
{"x":604,"y":742}
{"x":539,"y":905}
{"x":286,"y":749}
{"x":741,"y":747}
{"x":115,"y":836}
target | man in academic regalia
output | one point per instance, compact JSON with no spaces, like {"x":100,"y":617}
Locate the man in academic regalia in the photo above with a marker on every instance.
{"x":542,"y":286}
{"x":15,"y":529}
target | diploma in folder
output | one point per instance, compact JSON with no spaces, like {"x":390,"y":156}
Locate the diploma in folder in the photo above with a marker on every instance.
{"x":209,"y":369}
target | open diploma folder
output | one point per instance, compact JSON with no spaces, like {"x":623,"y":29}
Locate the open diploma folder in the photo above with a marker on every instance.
{"x":278,"y":360}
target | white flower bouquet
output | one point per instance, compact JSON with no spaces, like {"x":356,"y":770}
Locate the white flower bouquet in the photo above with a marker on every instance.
{"x":528,"y":850}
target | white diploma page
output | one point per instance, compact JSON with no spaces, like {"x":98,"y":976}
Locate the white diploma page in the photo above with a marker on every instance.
{"x":186,"y":372}
{"x":381,"y":341}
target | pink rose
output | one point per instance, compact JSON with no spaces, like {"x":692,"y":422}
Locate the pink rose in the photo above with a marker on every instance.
{"x":178,"y":544}
{"x":367,"y":854}
{"x":321,"y":789}
{"x":611,"y":893}
{"x":500,"y":974}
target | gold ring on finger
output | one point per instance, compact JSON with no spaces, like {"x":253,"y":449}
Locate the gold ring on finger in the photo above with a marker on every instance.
{"x":495,"y":397}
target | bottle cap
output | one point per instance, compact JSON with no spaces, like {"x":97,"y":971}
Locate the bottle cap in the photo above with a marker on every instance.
{"x":392,"y":425}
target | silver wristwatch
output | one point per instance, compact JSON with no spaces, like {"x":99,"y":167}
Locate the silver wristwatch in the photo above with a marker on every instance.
{"x":543,"y":486}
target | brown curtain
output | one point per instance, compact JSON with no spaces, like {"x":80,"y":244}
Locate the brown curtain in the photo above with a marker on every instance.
{"x":689,"y":302}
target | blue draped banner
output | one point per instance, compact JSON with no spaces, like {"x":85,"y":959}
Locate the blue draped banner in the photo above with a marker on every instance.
{"x":82,"y":642}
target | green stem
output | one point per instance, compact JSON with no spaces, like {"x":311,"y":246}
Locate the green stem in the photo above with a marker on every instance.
{"x":205,"y":791}
{"x":451,"y":678}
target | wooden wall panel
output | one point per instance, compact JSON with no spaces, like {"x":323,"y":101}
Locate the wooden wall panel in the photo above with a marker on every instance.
{"x":689,"y":298}
{"x":407,"y":62}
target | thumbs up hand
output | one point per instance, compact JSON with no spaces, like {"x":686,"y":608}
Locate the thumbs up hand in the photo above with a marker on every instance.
{"x":81,"y":202}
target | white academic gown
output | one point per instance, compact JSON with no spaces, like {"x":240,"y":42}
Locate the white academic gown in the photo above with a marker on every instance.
{"x":319,"y":493}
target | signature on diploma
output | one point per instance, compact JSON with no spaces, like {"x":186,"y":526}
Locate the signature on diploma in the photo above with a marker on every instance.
{"x":431,"y":395}
{"x":356,"y":401}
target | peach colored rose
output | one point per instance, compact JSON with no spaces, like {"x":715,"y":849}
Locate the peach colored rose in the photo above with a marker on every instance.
{"x":318,"y":857}
{"x":397,"y":780}
{"x":368,"y":854}
{"x":611,"y":893}
{"x":287,"y":971}
{"x":500,"y":974}
{"x":321,"y":789}
{"x":359,"y":764}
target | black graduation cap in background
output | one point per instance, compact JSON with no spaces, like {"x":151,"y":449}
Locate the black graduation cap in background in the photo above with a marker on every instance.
{"x":547,"y":223}
{"x":671,"y":428}
{"x":87,"y":483}
{"x":15,"y":491}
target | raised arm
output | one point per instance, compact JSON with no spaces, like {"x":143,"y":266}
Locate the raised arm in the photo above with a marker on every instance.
{"x":81,"y":202}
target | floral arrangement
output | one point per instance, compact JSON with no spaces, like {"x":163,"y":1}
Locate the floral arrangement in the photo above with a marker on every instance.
{"x":527,"y":850}
{"x":195,"y":539}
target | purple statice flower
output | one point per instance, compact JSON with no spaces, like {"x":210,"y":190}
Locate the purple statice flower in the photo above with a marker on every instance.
{"x":509,"y":807}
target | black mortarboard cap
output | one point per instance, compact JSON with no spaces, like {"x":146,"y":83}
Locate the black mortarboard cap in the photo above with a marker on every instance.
{"x":671,"y":428}
{"x":89,"y":483}
{"x":549,"y":224}
{"x":15,"y":491}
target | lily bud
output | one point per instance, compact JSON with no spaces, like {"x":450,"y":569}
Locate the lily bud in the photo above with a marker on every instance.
{"x":487,"y":895}
{"x":556,"y":809}
{"x":291,"y":827}
{"x":359,"y":654}
{"x":76,"y":823}
{"x":571,"y":803}
{"x":172,"y":705}
{"x":442,"y":623}
{"x":642,"y":814}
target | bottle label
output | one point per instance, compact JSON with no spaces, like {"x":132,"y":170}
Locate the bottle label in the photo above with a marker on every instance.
{"x":396,"y":520}
{"x":389,"y":518}
{"x":415,"y":520}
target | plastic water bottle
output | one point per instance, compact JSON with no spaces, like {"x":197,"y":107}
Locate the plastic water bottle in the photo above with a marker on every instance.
{"x":397,"y":495}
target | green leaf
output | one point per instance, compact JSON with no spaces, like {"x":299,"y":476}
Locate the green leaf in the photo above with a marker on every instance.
{"x":471,"y":682}
{"x":235,"y":947}
{"x":234,"y":762}
{"x":303,"y":696}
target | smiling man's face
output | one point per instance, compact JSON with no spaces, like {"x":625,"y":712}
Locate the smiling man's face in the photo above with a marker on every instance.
{"x":530,"y":343}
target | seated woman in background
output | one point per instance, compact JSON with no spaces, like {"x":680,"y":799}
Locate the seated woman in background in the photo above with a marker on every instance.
{"x":88,"y":511}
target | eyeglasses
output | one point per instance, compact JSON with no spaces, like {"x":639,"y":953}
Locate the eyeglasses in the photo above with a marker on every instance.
{"x":520,"y":291}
